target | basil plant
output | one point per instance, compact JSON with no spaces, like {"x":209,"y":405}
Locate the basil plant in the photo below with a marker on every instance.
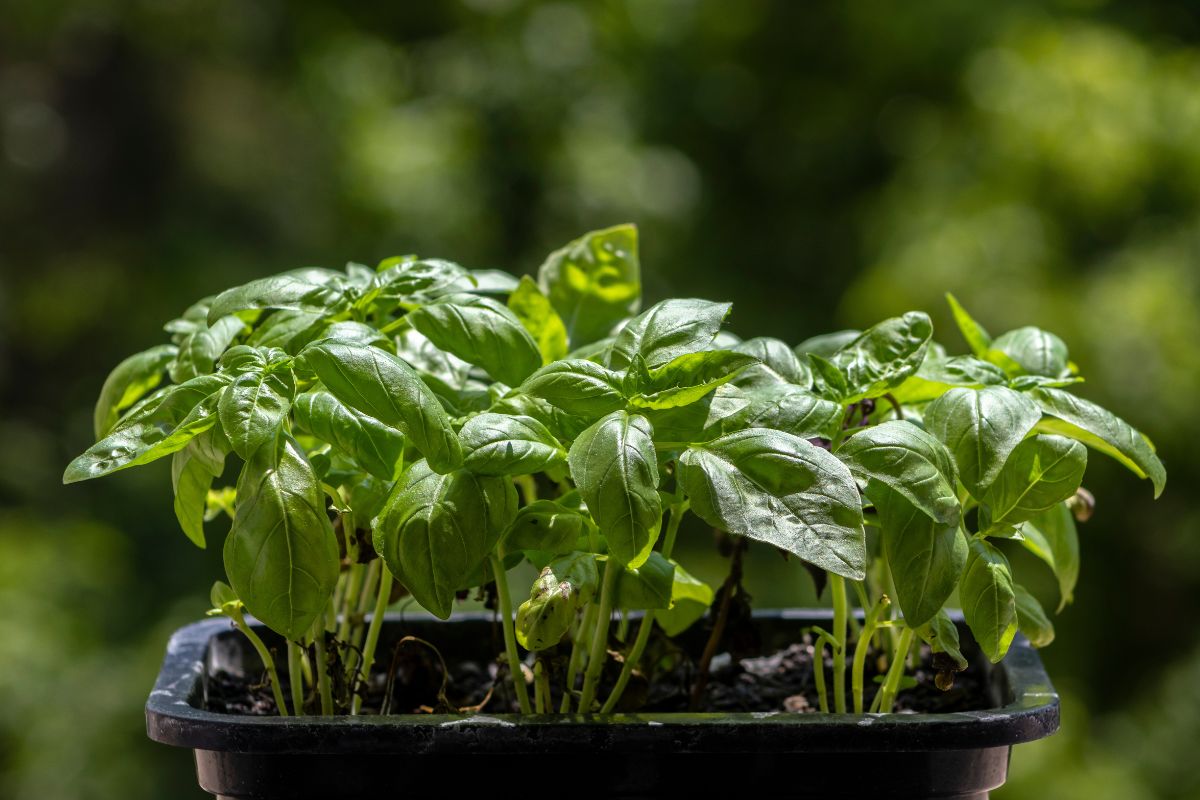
{"x":423,"y":428}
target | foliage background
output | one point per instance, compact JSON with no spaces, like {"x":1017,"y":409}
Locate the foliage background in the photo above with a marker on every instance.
{"x":822,"y":165}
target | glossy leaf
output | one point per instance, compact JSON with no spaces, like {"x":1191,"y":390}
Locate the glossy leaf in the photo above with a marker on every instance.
{"x":908,"y":460}
{"x":883,"y":356}
{"x":790,"y":409}
{"x":779,"y":363}
{"x":826,"y":344}
{"x":480,"y":331}
{"x":688,"y":378}
{"x":578,"y":387}
{"x":253,"y":408}
{"x":690,"y":600}
{"x":288,"y":330}
{"x":375,"y":447}
{"x":306,"y":291}
{"x":536,"y":313}
{"x":981,"y":428}
{"x":545,"y":526}
{"x":717,"y":413}
{"x":972,"y":332}
{"x":1051,"y":536}
{"x":926,"y":557}
{"x":594,"y":282}
{"x":1042,"y":471}
{"x":1032,"y":619}
{"x":502,"y":444}
{"x":1035,"y":351}
{"x":989,"y":599}
{"x":129,"y":382}
{"x":646,"y":586}
{"x":779,"y":489}
{"x":936,"y":376}
{"x":941,"y":634}
{"x":666,"y":331}
{"x":192,"y":472}
{"x":200,"y":351}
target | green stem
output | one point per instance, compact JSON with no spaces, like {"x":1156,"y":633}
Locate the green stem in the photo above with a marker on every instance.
{"x":322,"y":667}
{"x":819,"y":672}
{"x":541,"y":693}
{"x":296,"y":677}
{"x":860,"y":651}
{"x":891,"y":684}
{"x":841,"y":609}
{"x":350,"y":601}
{"x":368,"y":652}
{"x":595,"y":665}
{"x":268,"y":660}
{"x":510,"y":635}
{"x":577,"y":647}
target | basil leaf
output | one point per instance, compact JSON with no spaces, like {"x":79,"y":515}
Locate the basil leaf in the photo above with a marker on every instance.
{"x":666,"y":331}
{"x":1031,"y":618}
{"x":883,"y":356}
{"x":1051,"y":536}
{"x":647,"y":586}
{"x":156,"y":427}
{"x":777,"y":488}
{"x":1037,"y":352}
{"x":545,"y":526}
{"x":425,"y":357}
{"x":493,"y":282}
{"x":690,"y":599}
{"x":1041,"y":472}
{"x":281,"y":555}
{"x":500,"y":444}
{"x":538,"y":316}
{"x":436,"y":530}
{"x":615,"y":469}
{"x":253,"y":408}
{"x":594,"y":282}
{"x":199,"y":351}
{"x":941,"y":634}
{"x":1097,"y":427}
{"x":936,"y":376}
{"x":790,"y":409}
{"x":981,"y":427}
{"x":988,"y":599}
{"x":720,"y":412}
{"x":828,"y":379}
{"x":480,"y":331}
{"x":972,"y":332}
{"x":826,"y":344}
{"x":375,"y":447}
{"x":909,"y":460}
{"x":688,"y":378}
{"x":780,"y":364}
{"x":128,"y":382}
{"x":563,"y":587}
{"x":192,"y":472}
{"x":582,"y":388}
{"x":302,"y":290}
{"x":382,"y":386}
{"x":288,"y":330}
{"x":926,"y":556}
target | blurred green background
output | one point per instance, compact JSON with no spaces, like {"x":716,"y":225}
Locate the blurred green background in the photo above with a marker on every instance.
{"x":821,"y":165}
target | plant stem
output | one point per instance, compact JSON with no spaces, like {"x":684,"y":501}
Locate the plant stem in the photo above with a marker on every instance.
{"x":891,"y":684}
{"x":577,"y":647}
{"x":268,"y":660}
{"x":296,"y":677}
{"x":837,"y":585}
{"x":322,"y":667}
{"x":510,"y":635}
{"x":819,"y":672}
{"x":732,"y":581}
{"x":350,"y":600}
{"x":595,"y":665}
{"x":541,"y":686}
{"x":368,"y":653}
{"x":860,"y":651}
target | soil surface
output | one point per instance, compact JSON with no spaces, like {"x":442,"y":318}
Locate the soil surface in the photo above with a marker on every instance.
{"x":409,"y":679}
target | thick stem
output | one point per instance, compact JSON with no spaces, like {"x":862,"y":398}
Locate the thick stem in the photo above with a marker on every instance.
{"x":891,"y":684}
{"x":268,"y":660}
{"x":841,"y":609}
{"x":368,"y":653}
{"x":510,"y":635}
{"x":577,"y":647}
{"x":596,"y":655}
{"x":296,"y":677}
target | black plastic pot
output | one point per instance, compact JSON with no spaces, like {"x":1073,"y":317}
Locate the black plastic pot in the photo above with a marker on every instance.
{"x":963,"y":755}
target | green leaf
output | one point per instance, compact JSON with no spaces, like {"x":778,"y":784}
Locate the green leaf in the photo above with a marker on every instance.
{"x":288,"y":330}
{"x":646,"y":586}
{"x":200,"y":351}
{"x":538,"y":316}
{"x":296,"y":291}
{"x":382,"y":386}
{"x":436,"y":530}
{"x":1035,"y":351}
{"x":1051,"y":536}
{"x":158,"y":426}
{"x":941,"y":634}
{"x":427,"y":359}
{"x":493,"y":282}
{"x":1031,"y":618}
{"x":615,"y":469}
{"x":221,"y":595}
{"x":981,"y":427}
{"x":545,"y":526}
{"x":582,"y":388}
{"x":1099,"y":428}
{"x":777,"y":488}
{"x":281,"y":555}
{"x":666,"y":331}
{"x":989,"y":599}
{"x":594,"y":282}
{"x":480,"y":331}
{"x":936,"y":376}
{"x":500,"y":444}
{"x":884,"y":356}
{"x":706,"y":419}
{"x":690,"y":599}
{"x":972,"y":332}
{"x":563,"y":587}
{"x":1042,"y":471}
{"x":926,"y":557}
{"x":688,"y":378}
{"x":787,"y":408}
{"x":128,"y":383}
{"x":826,"y":344}
{"x":780,"y":364}
{"x":828,"y":379}
{"x":192,"y":472}
{"x":910,"y":461}
{"x":253,"y":408}
{"x":375,"y":447}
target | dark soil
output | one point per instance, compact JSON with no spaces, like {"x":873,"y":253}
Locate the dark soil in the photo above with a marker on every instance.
{"x":778,"y":681}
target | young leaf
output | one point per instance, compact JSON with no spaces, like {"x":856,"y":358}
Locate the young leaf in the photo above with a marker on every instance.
{"x":690,"y":599}
{"x":281,"y":555}
{"x":720,"y":412}
{"x":376,"y":447}
{"x":158,"y":426}
{"x":941,"y":634}
{"x":647,"y":586}
{"x":480,"y":331}
{"x":615,"y":469}
{"x":129,"y":382}
{"x":828,"y":379}
{"x":563,"y":587}
{"x":288,"y":330}
{"x":538,"y":316}
{"x":296,"y":291}
{"x":981,"y":427}
{"x":988,"y":599}
{"x":594,"y":282}
{"x":192,"y":472}
{"x":500,"y":444}
{"x":688,"y":378}
{"x":779,"y":489}
{"x":826,"y":344}
{"x":666,"y":331}
{"x":582,"y":388}
{"x":1097,"y":427}
{"x":545,"y":526}
{"x":1052,"y":537}
{"x":382,"y":386}
{"x":926,"y":557}
{"x":936,"y":376}
{"x":1031,"y":618}
{"x":884,"y":356}
{"x":974,"y":334}
{"x":1042,"y":471}
{"x":908,"y":460}
{"x":200,"y":351}
{"x":1035,"y":351}
{"x":780,"y":364}
{"x":436,"y":530}
{"x":253,"y":408}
